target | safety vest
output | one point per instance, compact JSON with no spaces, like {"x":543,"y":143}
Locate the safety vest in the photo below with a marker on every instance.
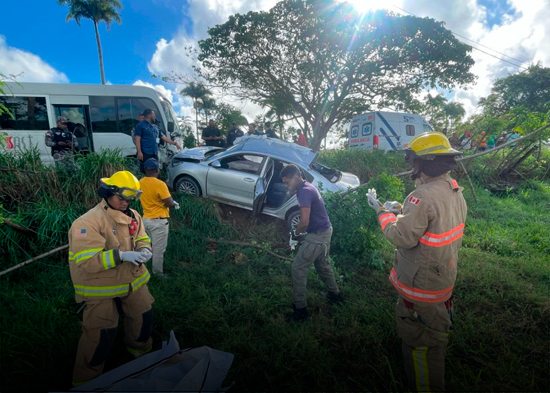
{"x":427,"y":235}
{"x":95,"y":240}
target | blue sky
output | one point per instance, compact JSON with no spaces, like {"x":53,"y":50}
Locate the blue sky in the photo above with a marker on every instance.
{"x":154,"y":34}
{"x":73,"y":50}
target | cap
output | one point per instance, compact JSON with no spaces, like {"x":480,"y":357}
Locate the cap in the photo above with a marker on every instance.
{"x":233,"y":122}
{"x":140,"y":113}
{"x":61,"y":119}
{"x":151,"y":164}
{"x":267,"y":123}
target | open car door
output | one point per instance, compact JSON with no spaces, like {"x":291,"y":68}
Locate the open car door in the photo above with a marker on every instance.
{"x":260,"y":191}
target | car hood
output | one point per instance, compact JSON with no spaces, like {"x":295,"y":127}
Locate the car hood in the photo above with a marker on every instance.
{"x":348,"y":180}
{"x":196,"y":153}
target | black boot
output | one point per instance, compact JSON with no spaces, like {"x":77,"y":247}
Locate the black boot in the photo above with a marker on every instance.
{"x":299,"y":314}
{"x":335,"y":298}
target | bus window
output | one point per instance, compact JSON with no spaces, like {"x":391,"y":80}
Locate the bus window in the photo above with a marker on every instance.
{"x":170,"y":115}
{"x":73,"y":114}
{"x":130,"y":108}
{"x":103,"y":114}
{"x":29,"y":113}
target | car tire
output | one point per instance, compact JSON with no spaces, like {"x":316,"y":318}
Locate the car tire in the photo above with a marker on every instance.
{"x":189,"y":186}
{"x":292,"y":219}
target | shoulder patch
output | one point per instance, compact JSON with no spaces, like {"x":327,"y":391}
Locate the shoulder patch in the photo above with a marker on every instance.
{"x":80,"y":233}
{"x":414,"y":201}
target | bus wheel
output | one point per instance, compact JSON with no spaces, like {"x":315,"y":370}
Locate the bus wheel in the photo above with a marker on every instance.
{"x":188,"y":185}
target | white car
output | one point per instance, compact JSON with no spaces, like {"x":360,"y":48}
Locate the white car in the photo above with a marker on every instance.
{"x":247,"y":175}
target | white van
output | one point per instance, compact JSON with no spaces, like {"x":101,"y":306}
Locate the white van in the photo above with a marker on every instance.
{"x":385,"y":130}
{"x":108,"y":113}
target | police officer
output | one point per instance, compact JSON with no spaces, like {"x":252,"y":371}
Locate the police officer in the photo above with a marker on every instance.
{"x":233,"y":134}
{"x":427,"y":232}
{"x":108,"y":248}
{"x":314,"y":231}
{"x":61,"y":140}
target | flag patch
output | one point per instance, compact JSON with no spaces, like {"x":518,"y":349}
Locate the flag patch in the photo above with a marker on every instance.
{"x":81,"y":233}
{"x":414,"y":200}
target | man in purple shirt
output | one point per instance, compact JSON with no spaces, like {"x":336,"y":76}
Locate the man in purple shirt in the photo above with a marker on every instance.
{"x":314,"y":231}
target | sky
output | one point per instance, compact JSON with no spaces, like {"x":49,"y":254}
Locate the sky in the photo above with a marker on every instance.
{"x":154,"y":34}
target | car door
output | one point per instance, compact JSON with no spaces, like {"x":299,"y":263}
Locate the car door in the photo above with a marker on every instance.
{"x":233,"y":179}
{"x":260,"y":191}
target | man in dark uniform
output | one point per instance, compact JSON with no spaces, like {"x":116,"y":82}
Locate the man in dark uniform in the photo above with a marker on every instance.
{"x":61,"y":140}
{"x":314,"y":231}
{"x":233,"y":134}
{"x":269,"y":131}
{"x":212,"y":135}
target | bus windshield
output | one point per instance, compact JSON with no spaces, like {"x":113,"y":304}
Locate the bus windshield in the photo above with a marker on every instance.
{"x":170,"y":114}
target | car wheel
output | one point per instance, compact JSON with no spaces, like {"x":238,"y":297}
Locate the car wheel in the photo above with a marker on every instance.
{"x":188,"y":185}
{"x":292,"y":219}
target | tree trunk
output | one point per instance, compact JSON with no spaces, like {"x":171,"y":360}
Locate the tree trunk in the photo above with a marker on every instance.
{"x":99,"y":50}
{"x":197,"y":120}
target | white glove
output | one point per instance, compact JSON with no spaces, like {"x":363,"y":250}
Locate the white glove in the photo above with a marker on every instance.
{"x":292,"y":243}
{"x":176,"y":205}
{"x":135,"y":257}
{"x":393,"y":206}
{"x":146,"y":253}
{"x":372,"y":199}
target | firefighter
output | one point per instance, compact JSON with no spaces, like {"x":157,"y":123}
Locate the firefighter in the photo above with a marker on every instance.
{"x":108,"y":248}
{"x":427,"y":233}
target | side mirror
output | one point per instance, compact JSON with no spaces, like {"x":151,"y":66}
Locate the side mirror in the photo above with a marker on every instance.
{"x":170,"y":127}
{"x":216,"y":164}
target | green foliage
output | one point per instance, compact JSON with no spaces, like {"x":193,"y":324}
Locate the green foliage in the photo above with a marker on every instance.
{"x":318,"y":56}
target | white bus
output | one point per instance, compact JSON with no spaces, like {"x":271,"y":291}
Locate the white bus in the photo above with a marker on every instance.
{"x":107,"y":112}
{"x":388,"y":131}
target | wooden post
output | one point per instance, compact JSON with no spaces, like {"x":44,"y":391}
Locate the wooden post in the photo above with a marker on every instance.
{"x":469,"y":181}
{"x":34,"y":259}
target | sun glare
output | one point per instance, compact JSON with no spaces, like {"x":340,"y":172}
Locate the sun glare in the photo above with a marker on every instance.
{"x":364,"y":6}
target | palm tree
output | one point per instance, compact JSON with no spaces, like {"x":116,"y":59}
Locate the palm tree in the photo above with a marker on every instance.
{"x":96,"y":10}
{"x":196,"y":91}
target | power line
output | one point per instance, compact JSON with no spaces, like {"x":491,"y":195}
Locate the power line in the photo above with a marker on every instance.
{"x":477,"y":43}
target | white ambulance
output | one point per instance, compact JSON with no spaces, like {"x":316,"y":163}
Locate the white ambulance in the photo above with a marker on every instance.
{"x":387,"y":131}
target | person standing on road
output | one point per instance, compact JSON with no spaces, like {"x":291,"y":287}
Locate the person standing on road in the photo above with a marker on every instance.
{"x":233,"y":134}
{"x":156,"y":201}
{"x":428,"y":234}
{"x":108,"y":248}
{"x":133,"y":132}
{"x":302,"y":139}
{"x":212,"y":135}
{"x":147,"y":137}
{"x":314,"y":231}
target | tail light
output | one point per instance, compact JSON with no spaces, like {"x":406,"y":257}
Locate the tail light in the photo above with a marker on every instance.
{"x":375,"y":142}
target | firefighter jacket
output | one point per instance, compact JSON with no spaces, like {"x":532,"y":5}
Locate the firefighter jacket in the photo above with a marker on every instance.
{"x":95,"y":240}
{"x":427,"y":235}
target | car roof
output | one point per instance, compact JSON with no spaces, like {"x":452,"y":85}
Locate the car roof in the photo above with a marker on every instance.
{"x":277,"y":148}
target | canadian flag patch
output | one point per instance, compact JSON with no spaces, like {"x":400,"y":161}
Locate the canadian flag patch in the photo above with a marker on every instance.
{"x":414,"y":200}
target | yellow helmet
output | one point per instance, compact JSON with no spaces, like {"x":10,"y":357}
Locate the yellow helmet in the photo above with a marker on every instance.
{"x":122,"y":183}
{"x":428,"y":146}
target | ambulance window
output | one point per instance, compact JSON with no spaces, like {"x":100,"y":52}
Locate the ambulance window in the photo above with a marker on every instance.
{"x":367,"y":129}
{"x":354,"y":131}
{"x":29,"y":113}
{"x":410,"y":130}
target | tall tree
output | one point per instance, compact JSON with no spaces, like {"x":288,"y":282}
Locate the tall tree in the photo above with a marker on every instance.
{"x":97,"y":11}
{"x":328,"y":62}
{"x":197,"y":92}
{"x":454,"y":111}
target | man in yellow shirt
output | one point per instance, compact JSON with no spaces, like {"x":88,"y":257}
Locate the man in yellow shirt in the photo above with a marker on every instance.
{"x":156,"y":201}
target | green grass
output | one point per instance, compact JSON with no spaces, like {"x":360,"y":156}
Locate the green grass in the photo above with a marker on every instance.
{"x":502,"y":316}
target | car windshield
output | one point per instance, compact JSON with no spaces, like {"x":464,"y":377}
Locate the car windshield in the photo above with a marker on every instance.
{"x":170,"y":114}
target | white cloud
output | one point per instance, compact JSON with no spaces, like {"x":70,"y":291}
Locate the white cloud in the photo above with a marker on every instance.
{"x":30,"y":66}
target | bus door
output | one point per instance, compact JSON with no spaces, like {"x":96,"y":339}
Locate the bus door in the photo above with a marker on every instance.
{"x":78,"y":117}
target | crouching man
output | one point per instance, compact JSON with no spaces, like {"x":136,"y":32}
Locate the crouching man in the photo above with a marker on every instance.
{"x":314,"y":231}
{"x":108,"y":248}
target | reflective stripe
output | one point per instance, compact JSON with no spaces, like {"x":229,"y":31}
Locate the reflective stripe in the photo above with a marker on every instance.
{"x":422,"y":375}
{"x":101,"y":291}
{"x":138,"y":282}
{"x":137,"y":353}
{"x":442,"y":239}
{"x":420,"y":295}
{"x":386,"y":218}
{"x":145,"y":238}
{"x":108,"y":259}
{"x":83,"y":255}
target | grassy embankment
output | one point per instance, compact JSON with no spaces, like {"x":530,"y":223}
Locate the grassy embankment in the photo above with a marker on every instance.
{"x":501,"y":336}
